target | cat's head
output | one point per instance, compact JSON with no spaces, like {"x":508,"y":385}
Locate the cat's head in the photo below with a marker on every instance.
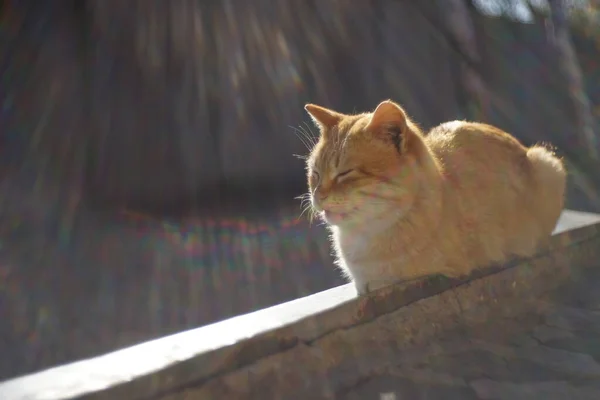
{"x":362,"y":168}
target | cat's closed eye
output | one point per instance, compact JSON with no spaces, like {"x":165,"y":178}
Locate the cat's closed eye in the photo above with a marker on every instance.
{"x":315,"y":177}
{"x":343,"y":174}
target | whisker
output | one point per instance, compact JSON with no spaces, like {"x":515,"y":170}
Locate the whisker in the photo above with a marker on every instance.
{"x":302,"y":137}
{"x":308,"y":210}
{"x":310,"y":141}
{"x":305,"y":205}
{"x":304,"y":210}
{"x":306,"y":129}
{"x":303,"y":197}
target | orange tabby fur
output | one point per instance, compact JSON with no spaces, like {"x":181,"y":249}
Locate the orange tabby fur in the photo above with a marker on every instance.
{"x":401,"y":205}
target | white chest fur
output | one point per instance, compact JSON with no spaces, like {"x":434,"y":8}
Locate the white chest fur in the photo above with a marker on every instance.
{"x":355,"y":259}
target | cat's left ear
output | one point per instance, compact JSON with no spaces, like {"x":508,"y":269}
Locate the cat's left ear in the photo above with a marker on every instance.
{"x":323,"y":117}
{"x":389,"y":119}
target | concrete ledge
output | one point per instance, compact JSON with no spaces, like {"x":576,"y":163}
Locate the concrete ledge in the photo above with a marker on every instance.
{"x":278,"y":352}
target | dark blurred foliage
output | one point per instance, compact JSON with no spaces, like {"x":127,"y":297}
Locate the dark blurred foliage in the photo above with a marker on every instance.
{"x":181,"y":112}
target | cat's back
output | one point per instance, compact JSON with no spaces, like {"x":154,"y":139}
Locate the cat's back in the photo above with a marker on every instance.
{"x":475,"y":142}
{"x":496,"y":185}
{"x":480,"y":161}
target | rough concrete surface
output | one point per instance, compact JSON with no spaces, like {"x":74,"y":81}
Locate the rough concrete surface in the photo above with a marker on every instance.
{"x":554,"y":354}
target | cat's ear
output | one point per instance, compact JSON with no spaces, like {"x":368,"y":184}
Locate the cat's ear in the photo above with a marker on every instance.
{"x":322,"y":116}
{"x":387,"y":114}
{"x":389,"y":121}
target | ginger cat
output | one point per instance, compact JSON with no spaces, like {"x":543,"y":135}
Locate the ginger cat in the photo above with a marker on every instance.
{"x":401,"y":205}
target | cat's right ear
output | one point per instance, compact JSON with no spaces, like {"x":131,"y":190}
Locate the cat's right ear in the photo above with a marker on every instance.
{"x":390,"y":119}
{"x":387,"y":114}
{"x":323,"y":117}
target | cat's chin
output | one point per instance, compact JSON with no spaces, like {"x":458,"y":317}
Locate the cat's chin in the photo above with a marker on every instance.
{"x":334,"y":218}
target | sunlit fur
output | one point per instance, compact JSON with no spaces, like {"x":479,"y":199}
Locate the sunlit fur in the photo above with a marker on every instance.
{"x":464,"y":196}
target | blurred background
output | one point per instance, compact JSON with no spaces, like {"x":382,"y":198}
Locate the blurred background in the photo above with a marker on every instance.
{"x":147,"y":168}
